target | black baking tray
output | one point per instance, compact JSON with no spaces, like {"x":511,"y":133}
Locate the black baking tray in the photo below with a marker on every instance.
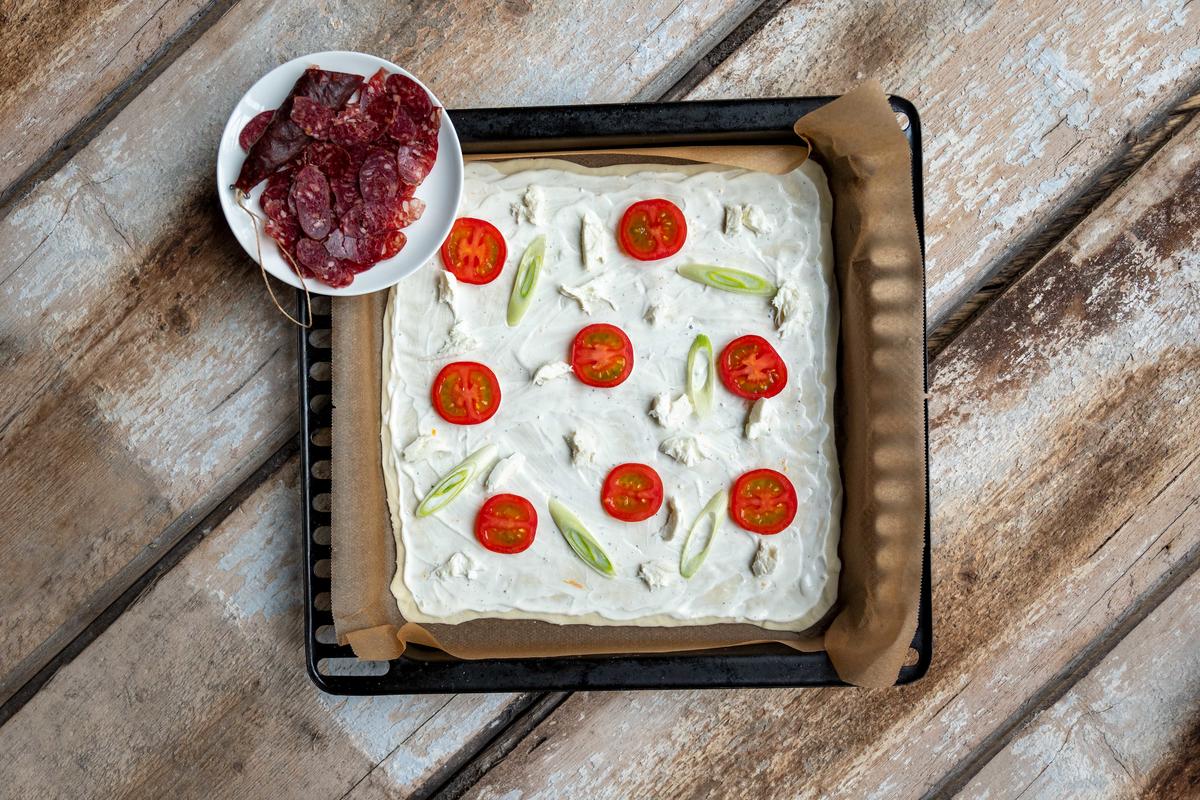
{"x":771,"y":665}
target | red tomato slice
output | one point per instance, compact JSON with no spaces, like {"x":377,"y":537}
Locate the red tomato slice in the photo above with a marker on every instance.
{"x":474,"y":251}
{"x":763,"y":501}
{"x":751,"y":368}
{"x":466,"y":393}
{"x":632,"y":492}
{"x":507,"y":523}
{"x":652,"y":229}
{"x":602,"y":355}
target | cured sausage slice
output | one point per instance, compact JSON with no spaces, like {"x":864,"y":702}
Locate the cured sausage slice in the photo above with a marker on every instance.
{"x":283,"y":139}
{"x":313,"y":256}
{"x":254,"y":129}
{"x":310,"y":193}
{"x":312,"y":117}
{"x":398,"y":212}
{"x":274,"y":199}
{"x":379,"y":177}
{"x":416,"y":160}
{"x":381,"y":246}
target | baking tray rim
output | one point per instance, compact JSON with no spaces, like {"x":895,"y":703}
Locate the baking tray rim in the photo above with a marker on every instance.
{"x":560,"y":128}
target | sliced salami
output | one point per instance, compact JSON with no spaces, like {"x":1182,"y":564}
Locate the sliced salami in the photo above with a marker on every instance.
{"x":398,"y":212}
{"x":379,"y":178}
{"x":410,"y":97}
{"x":283,"y":139}
{"x":341,"y":246}
{"x":353,"y":222}
{"x":274,"y":199}
{"x":377,"y":102}
{"x":313,"y":256}
{"x":254,"y":129}
{"x":285,"y":232}
{"x":312,"y":117}
{"x":415,"y":160}
{"x":352,"y":126}
{"x":381,"y":246}
{"x":310,"y":193}
{"x":328,"y":157}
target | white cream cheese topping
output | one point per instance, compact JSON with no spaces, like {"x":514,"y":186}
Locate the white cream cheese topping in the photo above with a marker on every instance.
{"x":552,"y":371}
{"x":674,"y":523}
{"x":793,"y":309}
{"x":458,"y":565}
{"x":671,"y":413}
{"x":529,"y":209}
{"x":423,"y":448}
{"x":656,"y":575}
{"x":686,"y":449}
{"x":762,"y":418}
{"x":589,"y":295}
{"x":459,"y":340}
{"x":448,"y":290}
{"x":503,"y":472}
{"x":591,"y":241}
{"x":583,"y":447}
{"x":571,"y":435}
{"x":765,"y":558}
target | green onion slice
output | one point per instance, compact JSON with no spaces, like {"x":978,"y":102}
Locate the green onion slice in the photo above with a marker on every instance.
{"x":727,"y":279}
{"x":689,"y":564}
{"x":701,"y":395}
{"x":582,"y":542}
{"x":454,"y":481}
{"x":527,"y":276}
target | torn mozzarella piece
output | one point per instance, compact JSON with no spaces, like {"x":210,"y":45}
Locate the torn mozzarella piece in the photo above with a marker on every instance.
{"x":659,"y":311}
{"x":654,"y":575}
{"x":588,"y":295}
{"x":531,"y":206}
{"x":684,"y":448}
{"x":459,"y":340}
{"x":733,"y":218}
{"x":458,"y":565}
{"x":591,"y":241}
{"x":674,"y":520}
{"x":671,"y":413}
{"x":549,"y":372}
{"x":765,"y":558}
{"x":583,"y":447}
{"x":762,"y":418}
{"x":756,"y":219}
{"x":793,"y":308}
{"x":423,"y":448}
{"x":447,"y":286}
{"x":503,"y":471}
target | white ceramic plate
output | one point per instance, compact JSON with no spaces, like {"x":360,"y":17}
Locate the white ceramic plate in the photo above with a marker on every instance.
{"x":440,"y":190}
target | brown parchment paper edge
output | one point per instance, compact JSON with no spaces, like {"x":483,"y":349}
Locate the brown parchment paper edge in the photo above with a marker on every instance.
{"x":880,"y":405}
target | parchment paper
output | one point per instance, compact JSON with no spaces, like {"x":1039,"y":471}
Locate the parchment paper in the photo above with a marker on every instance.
{"x":879,"y":413}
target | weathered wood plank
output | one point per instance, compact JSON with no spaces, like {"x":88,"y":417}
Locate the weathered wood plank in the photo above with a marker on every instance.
{"x":199,"y":690}
{"x":154,"y":374}
{"x":58,"y":61}
{"x":1131,"y":728}
{"x":1065,"y":467}
{"x":1024,"y":104}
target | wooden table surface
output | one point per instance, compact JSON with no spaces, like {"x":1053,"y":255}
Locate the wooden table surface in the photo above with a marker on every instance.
{"x":149,"y":522}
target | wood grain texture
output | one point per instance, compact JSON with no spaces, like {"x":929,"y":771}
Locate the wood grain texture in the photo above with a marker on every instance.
{"x":1131,"y":728}
{"x":1024,"y":104}
{"x":154,"y":372}
{"x":58,"y":61}
{"x":199,"y":691}
{"x":1065,"y":466}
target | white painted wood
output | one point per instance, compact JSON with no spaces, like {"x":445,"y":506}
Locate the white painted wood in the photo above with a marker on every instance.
{"x":1023,"y":103}
{"x":1128,"y":729}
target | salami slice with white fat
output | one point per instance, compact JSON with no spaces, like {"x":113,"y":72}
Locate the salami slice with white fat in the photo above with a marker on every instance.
{"x":398,"y":212}
{"x":310,"y":193}
{"x":313,"y":256}
{"x":379,"y":178}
